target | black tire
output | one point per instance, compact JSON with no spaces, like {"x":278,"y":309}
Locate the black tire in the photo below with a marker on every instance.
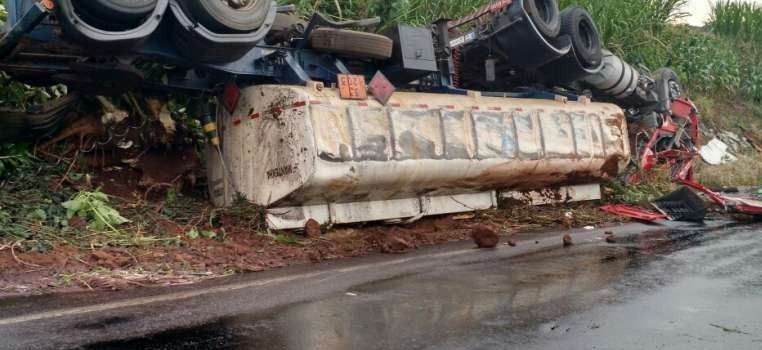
{"x":352,"y":43}
{"x":672,"y":81}
{"x":586,"y":40}
{"x":120,"y":11}
{"x":544,"y":15}
{"x":221,"y":18}
{"x":667,"y":87}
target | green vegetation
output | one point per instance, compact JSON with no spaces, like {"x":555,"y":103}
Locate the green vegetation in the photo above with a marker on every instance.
{"x":416,"y":12}
{"x":94,"y":208}
{"x":738,"y":19}
{"x":16,"y":95}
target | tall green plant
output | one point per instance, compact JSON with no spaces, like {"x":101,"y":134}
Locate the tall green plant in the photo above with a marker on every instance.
{"x":634,"y":28}
{"x":415,"y":12}
{"x":704,"y":62}
{"x":740,"y":20}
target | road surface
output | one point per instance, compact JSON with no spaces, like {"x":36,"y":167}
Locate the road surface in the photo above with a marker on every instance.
{"x":680,"y":288}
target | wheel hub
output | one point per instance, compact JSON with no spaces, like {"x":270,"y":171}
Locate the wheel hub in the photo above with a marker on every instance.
{"x":239,"y":4}
{"x":674,"y":89}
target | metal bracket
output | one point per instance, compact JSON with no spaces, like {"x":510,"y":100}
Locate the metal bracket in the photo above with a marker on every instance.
{"x":318,"y":19}
{"x":33,"y":17}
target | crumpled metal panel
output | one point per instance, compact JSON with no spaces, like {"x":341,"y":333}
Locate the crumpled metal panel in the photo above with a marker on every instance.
{"x":291,"y":146}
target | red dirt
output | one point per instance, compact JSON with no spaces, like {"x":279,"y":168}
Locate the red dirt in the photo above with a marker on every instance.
{"x":238,"y":246}
{"x":312,"y":229}
{"x":241,"y":251}
{"x":485,"y":237}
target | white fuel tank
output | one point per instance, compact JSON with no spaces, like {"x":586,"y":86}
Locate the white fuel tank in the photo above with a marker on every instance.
{"x":305,"y":153}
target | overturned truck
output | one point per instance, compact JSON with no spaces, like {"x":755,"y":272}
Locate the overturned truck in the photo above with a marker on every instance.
{"x":335,"y":122}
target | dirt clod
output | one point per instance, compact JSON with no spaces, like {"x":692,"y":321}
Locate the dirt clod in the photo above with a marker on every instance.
{"x":485,"y":237}
{"x":395,"y":244}
{"x":568,"y":242}
{"x":312,"y":229}
{"x":111,"y":260}
{"x":611,"y":239}
{"x":77,"y":223}
{"x":511,"y":243}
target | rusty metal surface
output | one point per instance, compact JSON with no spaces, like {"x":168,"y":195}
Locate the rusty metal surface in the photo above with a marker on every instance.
{"x":308,"y":147}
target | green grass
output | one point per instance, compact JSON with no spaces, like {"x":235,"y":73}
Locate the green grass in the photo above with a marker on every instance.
{"x":634,"y":28}
{"x":737,"y":19}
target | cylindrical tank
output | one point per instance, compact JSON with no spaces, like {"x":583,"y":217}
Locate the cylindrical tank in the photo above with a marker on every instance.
{"x":287,"y":146}
{"x":617,"y":78}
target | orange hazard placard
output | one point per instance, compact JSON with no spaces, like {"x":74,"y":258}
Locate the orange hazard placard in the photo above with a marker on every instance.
{"x":352,"y":87}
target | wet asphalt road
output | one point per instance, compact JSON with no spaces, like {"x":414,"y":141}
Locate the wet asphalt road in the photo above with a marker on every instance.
{"x":684,"y":288}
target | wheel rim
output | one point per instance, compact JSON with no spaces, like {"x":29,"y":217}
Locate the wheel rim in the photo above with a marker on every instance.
{"x":674,"y":89}
{"x":587,"y":35}
{"x":240,"y":4}
{"x":544,"y":7}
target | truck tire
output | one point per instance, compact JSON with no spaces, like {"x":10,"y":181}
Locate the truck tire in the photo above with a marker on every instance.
{"x":544,"y":15}
{"x":220,"y":17}
{"x":586,"y":40}
{"x":667,"y":88}
{"x":121,"y":11}
{"x":352,"y":43}
{"x":671,"y":80}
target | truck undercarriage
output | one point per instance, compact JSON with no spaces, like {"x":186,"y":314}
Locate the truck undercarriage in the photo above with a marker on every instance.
{"x":328,"y":121}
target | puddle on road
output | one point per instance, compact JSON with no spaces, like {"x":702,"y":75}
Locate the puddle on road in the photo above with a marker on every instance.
{"x":435,"y":309}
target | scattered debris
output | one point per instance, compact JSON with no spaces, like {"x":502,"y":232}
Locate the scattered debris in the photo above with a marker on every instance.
{"x":735,"y":143}
{"x":350,"y":294}
{"x":631,"y":212}
{"x":682,"y":205}
{"x":568,"y":241}
{"x":589,"y":228}
{"x":716,"y":153}
{"x":485,"y":237}
{"x":395,"y":243}
{"x":511,"y":243}
{"x":461,"y":217}
{"x":611,"y":239}
{"x":111,"y":114}
{"x":161,"y":112}
{"x":312,"y":229}
{"x":739,"y":205}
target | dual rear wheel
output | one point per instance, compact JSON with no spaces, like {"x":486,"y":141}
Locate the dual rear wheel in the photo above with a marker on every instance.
{"x":221,"y":16}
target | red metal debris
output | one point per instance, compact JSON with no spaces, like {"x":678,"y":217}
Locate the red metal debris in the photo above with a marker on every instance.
{"x":741,"y":205}
{"x":683,"y":119}
{"x":632,"y":212}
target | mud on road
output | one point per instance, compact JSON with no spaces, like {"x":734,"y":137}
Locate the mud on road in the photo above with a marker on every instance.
{"x":238,"y":248}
